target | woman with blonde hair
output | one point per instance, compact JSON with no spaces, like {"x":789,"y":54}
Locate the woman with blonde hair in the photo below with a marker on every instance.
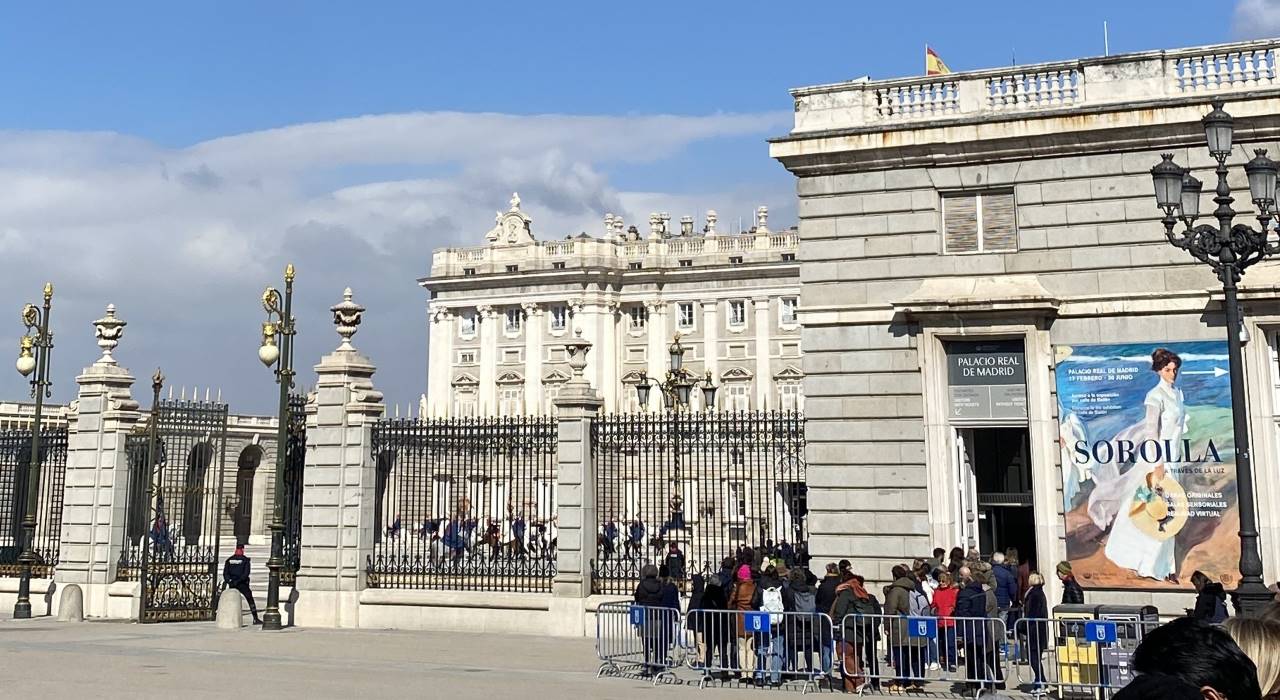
{"x":1260,"y":641}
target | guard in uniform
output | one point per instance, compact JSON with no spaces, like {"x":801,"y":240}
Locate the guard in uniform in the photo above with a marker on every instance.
{"x":235,"y":574}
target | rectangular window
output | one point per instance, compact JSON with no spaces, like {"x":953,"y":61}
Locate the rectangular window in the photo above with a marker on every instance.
{"x":790,"y":397}
{"x":466,"y":357}
{"x":513,"y":268}
{"x":739,"y":397}
{"x":685,"y":314}
{"x":788,"y":257}
{"x":638,"y":316}
{"x":981,"y":222}
{"x":464,"y":403}
{"x":787,"y":311}
{"x":557,"y":265}
{"x":735,"y":259}
{"x":556,"y":355}
{"x":467,"y":323}
{"x":468,"y":272}
{"x":511,"y":356}
{"x":735,"y":509}
{"x":559,"y":317}
{"x":686,"y":263}
{"x":737,"y":352}
{"x":634,"y":266}
{"x":635,"y":354}
{"x":737,"y":313}
{"x":513,"y":318}
{"x":790,"y":349}
{"x":511,"y":400}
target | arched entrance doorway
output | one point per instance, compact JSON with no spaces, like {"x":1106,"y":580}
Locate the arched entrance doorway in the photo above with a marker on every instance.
{"x":246,"y":467}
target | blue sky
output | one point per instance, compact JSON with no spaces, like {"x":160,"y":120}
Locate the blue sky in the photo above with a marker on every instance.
{"x":171,"y":158}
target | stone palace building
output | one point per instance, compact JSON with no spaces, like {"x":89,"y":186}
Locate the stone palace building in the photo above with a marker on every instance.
{"x":501,"y":312}
{"x":987,"y":287}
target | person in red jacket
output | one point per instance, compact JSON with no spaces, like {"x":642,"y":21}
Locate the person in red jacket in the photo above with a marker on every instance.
{"x":944,"y":600}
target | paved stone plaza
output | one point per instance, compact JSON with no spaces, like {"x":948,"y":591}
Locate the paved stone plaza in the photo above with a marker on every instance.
{"x":47,"y":659}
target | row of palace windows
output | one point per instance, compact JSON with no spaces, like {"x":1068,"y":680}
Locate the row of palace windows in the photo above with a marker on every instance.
{"x":637,"y":316}
{"x":734,"y":396}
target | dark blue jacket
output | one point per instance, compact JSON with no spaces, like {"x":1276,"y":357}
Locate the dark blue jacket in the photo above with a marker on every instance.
{"x":1006,"y":587}
{"x":972,"y":603}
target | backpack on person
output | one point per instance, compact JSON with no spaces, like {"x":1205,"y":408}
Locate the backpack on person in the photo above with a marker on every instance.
{"x":806,"y":601}
{"x":918,"y":605}
{"x":771,"y":602}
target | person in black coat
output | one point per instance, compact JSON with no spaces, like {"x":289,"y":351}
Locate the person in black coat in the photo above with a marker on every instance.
{"x":654,"y":626}
{"x":1072,"y":593}
{"x":1211,"y":599}
{"x":972,"y":626}
{"x":717,"y":627}
{"x":1035,"y":615}
{"x":235,"y":574}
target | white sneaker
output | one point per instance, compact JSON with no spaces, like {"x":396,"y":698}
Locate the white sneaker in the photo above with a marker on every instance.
{"x":934,"y":666}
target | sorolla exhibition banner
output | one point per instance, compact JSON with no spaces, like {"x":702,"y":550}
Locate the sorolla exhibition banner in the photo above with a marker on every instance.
{"x":1148,"y":463}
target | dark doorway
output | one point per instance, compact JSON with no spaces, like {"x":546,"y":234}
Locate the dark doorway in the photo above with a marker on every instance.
{"x":246,"y":468}
{"x":1001,"y":470}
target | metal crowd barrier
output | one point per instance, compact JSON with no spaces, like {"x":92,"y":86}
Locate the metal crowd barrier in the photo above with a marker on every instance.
{"x":1077,"y":657}
{"x":761,"y":647}
{"x":648,"y":640}
{"x":879,"y":652}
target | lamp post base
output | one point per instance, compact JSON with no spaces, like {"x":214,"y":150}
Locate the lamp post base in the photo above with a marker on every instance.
{"x":22,"y":610}
{"x":1252,"y":599}
{"x":271,"y":620}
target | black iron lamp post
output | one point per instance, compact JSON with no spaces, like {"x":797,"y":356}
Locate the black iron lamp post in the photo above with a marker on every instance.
{"x":277,"y":346}
{"x":1228,"y":249}
{"x":679,"y":383}
{"x":33,"y":357}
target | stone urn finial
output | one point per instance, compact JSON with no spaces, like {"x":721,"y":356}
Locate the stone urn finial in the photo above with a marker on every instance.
{"x":108,"y":331}
{"x":577,"y":348}
{"x":346,"y":316}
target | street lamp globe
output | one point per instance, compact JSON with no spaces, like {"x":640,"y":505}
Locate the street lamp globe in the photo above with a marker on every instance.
{"x":1218,"y":128}
{"x":26,"y":363}
{"x":1167,"y":177}
{"x":1262,"y":180}
{"x":708,"y":393}
{"x":642,"y":391}
{"x":269,"y":352}
{"x":682,"y":392}
{"x":676,"y":350}
{"x":1191,"y":188}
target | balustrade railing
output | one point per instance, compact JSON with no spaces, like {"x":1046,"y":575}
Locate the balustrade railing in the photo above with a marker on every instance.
{"x":916,"y":100}
{"x":1037,"y":90}
{"x":1224,"y":70}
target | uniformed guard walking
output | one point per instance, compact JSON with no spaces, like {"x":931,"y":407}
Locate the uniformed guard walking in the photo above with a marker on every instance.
{"x":235,"y":574}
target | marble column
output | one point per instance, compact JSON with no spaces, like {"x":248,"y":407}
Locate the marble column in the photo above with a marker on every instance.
{"x":711,"y":339}
{"x":533,"y":330}
{"x":440,"y":361}
{"x":764,"y":372}
{"x":489,"y":320}
{"x":658,"y":361}
{"x":338,"y":484}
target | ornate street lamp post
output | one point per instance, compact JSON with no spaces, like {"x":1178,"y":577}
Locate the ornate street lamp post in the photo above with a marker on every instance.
{"x":1228,"y":249}
{"x":678,"y":385}
{"x":277,"y":346}
{"x":33,"y":356}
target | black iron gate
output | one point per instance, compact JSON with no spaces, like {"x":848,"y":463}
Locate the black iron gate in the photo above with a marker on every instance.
{"x":15,"y":476}
{"x":172,"y":529}
{"x":295,"y":458}
{"x":711,"y":485}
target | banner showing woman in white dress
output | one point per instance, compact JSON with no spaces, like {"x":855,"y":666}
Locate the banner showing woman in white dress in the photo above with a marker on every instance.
{"x":1148,"y":463}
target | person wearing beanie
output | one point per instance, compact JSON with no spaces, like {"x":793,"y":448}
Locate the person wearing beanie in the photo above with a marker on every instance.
{"x":1072,"y":593}
{"x":235,"y":575}
{"x":744,"y":591}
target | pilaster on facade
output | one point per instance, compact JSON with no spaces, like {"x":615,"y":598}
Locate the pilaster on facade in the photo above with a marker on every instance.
{"x":487,"y":319}
{"x":656,"y":352}
{"x":764,"y":374}
{"x":533,"y":329}
{"x":440,"y":359}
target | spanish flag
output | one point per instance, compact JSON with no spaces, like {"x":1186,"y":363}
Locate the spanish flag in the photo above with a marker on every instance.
{"x":932,"y":64}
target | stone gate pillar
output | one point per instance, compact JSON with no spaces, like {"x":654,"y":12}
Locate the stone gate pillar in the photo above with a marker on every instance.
{"x":338,"y":482}
{"x":97,"y":478}
{"x":577,"y":406}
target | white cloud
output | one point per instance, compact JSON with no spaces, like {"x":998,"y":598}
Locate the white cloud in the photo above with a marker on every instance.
{"x":183,"y":239}
{"x":1256,"y":19}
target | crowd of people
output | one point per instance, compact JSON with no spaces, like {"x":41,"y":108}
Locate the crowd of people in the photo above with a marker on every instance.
{"x":987,"y":611}
{"x":463,"y":536}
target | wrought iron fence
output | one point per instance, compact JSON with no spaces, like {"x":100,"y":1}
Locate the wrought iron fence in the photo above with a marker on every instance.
{"x":295,"y":458}
{"x":690,"y":489}
{"x":15,"y":480}
{"x":465,"y":504}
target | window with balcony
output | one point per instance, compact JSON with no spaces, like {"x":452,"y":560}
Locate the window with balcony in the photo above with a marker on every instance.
{"x":637,"y":317}
{"x":787,"y":311}
{"x":737,"y":313}
{"x":979,"y":222}
{"x":684,"y":317}
{"x":513,"y":318}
